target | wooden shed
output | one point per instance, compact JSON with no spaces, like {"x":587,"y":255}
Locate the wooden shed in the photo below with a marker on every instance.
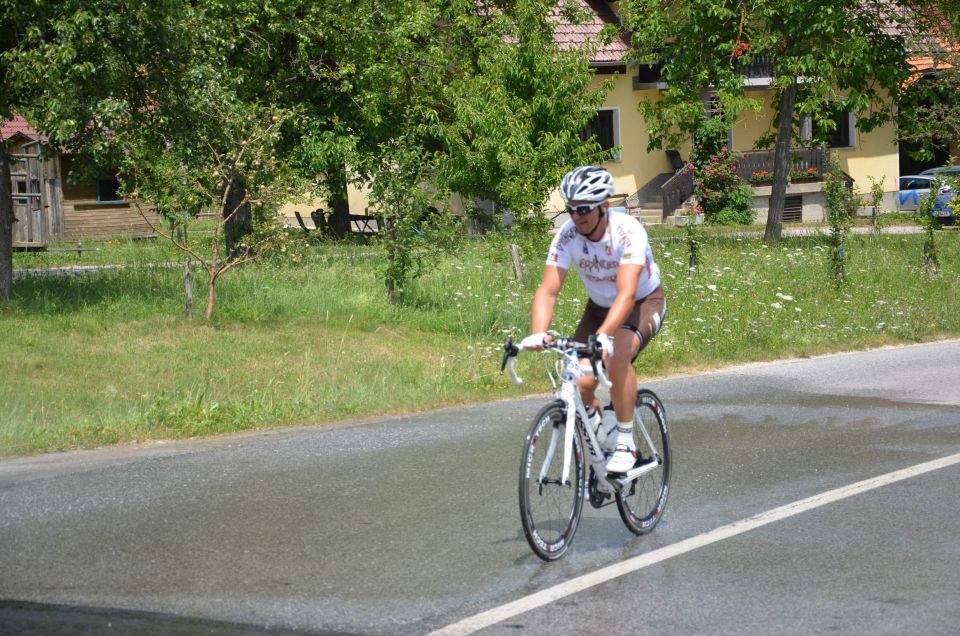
{"x":35,"y":182}
{"x":51,"y":209}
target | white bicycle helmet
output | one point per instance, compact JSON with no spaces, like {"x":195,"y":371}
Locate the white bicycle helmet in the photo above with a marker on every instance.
{"x":590,"y":184}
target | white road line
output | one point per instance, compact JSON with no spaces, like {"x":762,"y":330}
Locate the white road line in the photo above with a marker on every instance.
{"x":497,"y":614}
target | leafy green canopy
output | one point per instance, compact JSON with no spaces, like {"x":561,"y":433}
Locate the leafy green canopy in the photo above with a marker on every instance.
{"x":196,"y":101}
{"x":848,"y":50}
{"x":819,"y":53}
{"x":474,"y":94}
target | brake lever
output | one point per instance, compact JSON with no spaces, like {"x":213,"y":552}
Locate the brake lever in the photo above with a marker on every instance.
{"x":509,"y":351}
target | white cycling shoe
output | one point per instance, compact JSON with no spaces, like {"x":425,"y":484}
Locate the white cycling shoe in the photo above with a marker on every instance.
{"x":623,"y":458}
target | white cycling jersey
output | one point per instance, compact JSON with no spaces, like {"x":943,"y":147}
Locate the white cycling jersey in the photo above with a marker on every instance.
{"x":623,"y":242}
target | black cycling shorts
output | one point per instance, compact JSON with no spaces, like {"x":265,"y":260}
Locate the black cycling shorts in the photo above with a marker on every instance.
{"x":644,"y":320}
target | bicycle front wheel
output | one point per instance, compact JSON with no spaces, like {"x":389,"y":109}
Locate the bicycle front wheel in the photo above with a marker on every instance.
{"x":550,"y":501}
{"x":641,"y":502}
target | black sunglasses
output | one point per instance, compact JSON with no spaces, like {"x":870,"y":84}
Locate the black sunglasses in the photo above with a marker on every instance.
{"x":581,"y":209}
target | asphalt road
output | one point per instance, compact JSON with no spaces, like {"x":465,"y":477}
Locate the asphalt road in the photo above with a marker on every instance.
{"x":410,"y":525}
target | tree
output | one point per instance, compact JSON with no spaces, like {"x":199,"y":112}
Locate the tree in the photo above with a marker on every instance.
{"x":405,"y":97}
{"x":158,"y":105}
{"x":414,"y":100}
{"x":230,"y":164}
{"x":69,"y":66}
{"x":501,"y":124}
{"x":16,"y":18}
{"x":929,"y":116}
{"x":821,"y":51}
{"x":517,"y":109}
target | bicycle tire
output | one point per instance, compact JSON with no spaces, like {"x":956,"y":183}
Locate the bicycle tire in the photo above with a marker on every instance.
{"x":550,"y":512}
{"x":641,"y":503}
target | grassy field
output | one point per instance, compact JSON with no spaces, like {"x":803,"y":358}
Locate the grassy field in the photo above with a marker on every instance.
{"x":107,"y":357}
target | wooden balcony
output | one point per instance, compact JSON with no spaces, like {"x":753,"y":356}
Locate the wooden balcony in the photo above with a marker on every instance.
{"x":802,"y":160}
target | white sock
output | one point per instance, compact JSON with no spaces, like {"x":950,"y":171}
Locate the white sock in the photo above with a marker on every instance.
{"x":625,"y":434}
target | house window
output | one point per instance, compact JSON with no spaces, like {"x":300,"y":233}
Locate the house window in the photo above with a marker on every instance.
{"x":30,"y":189}
{"x":605,"y":126}
{"x":108,"y":190}
{"x":711,"y":107}
{"x":649,"y":73}
{"x":21,"y":189}
{"x":841,"y":133}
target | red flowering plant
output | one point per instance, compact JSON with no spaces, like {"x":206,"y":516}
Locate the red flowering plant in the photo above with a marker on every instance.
{"x":739,"y":49}
{"x":723,"y":195}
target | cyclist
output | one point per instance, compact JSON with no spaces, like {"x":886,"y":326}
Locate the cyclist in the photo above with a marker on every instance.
{"x":626,"y":306}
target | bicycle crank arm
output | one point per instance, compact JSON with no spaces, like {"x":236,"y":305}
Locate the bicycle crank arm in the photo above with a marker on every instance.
{"x":633,"y":473}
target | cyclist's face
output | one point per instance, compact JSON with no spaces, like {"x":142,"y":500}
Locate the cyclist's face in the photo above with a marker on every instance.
{"x":585,"y":222}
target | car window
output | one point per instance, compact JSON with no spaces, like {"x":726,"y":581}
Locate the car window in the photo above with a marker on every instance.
{"x":914,"y":183}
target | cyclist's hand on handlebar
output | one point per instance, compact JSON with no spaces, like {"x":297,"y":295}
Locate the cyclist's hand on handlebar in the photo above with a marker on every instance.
{"x":606,"y":343}
{"x":534,"y":341}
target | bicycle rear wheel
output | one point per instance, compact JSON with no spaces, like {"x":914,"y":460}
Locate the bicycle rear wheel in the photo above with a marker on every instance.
{"x":550,"y":506}
{"x":641,"y":502}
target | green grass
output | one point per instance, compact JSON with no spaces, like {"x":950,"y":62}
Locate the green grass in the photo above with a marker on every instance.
{"x":107,"y":358}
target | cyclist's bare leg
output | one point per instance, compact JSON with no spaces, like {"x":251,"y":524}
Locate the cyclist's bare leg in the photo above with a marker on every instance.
{"x":588,"y":387}
{"x":623,"y":379}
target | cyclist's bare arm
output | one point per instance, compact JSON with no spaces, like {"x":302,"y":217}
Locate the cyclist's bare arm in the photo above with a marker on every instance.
{"x":545,"y":298}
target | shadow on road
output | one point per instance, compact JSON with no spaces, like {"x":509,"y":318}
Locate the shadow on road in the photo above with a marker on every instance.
{"x":25,"y":618}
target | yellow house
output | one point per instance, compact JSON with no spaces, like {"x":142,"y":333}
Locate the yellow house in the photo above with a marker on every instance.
{"x":643,"y":176}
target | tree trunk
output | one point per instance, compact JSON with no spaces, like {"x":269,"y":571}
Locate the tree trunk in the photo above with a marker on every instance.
{"x":210,"y":290}
{"x":339,"y":220}
{"x":6,"y":225}
{"x":239,"y":223}
{"x":781,"y":166}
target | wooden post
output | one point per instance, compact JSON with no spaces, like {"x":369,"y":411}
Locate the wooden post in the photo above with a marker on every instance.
{"x":188,"y":286}
{"x":518,"y":269}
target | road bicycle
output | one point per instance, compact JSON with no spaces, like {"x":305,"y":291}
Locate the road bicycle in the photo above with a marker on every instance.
{"x":552,"y":487}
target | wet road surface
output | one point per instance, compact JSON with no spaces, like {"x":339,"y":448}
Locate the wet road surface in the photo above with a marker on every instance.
{"x":407,"y":525}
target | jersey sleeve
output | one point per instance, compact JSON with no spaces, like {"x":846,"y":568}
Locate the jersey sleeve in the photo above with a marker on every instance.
{"x":633,"y":239}
{"x":559,"y":253}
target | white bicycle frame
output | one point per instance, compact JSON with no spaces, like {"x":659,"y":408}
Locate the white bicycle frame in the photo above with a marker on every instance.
{"x":570,"y":395}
